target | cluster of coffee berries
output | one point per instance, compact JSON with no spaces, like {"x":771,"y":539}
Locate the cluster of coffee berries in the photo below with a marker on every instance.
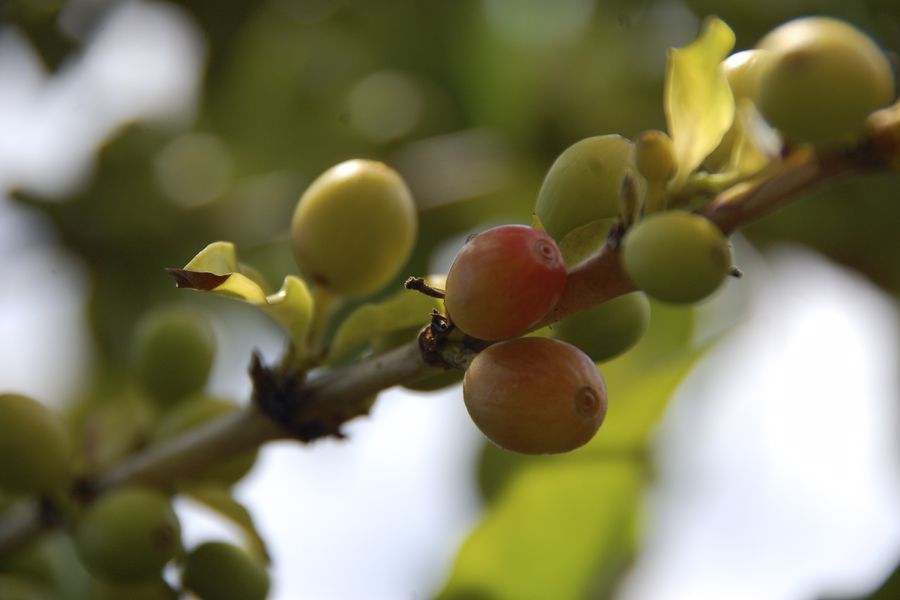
{"x":126,"y":536}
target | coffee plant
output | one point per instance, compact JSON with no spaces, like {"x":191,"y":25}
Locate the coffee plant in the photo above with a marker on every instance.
{"x":615,"y":229}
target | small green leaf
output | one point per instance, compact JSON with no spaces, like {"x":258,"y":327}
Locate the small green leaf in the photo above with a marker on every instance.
{"x":216,"y":269}
{"x":698,"y":100}
{"x":551,"y":531}
{"x":219,"y":498}
{"x":404,"y":310}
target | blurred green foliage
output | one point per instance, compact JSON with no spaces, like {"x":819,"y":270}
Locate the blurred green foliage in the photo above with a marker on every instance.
{"x":471,"y":101}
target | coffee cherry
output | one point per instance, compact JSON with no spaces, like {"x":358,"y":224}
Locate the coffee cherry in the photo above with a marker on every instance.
{"x":35,"y":447}
{"x":821,"y":79}
{"x":128,"y":535}
{"x":354,"y":227}
{"x":504,"y":281}
{"x":535,"y":395}
{"x":220,"y":571}
{"x":194,"y":412}
{"x":608,"y":329}
{"x":676,"y":256}
{"x":584,"y":184}
{"x":173,"y":351}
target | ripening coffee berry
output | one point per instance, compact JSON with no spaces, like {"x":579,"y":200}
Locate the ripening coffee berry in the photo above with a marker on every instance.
{"x":220,"y":571}
{"x":584,"y":184}
{"x":198,"y":410}
{"x":821,"y":79}
{"x":608,"y":329}
{"x":173,"y":351}
{"x":354,"y":227}
{"x":35,"y":447}
{"x":128,"y":535}
{"x":535,"y":395}
{"x":504,"y":281}
{"x":676,"y":256}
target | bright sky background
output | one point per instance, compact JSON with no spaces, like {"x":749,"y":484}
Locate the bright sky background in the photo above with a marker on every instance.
{"x":779,"y":461}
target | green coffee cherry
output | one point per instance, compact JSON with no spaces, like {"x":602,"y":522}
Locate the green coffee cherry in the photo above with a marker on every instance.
{"x":196,"y":411}
{"x":173,"y":350}
{"x":608,"y":329}
{"x":821,"y":79}
{"x":655,"y":157}
{"x":676,"y":256}
{"x":220,"y":571}
{"x":128,"y":535}
{"x":584,"y":184}
{"x":354,"y":227}
{"x":35,"y":447}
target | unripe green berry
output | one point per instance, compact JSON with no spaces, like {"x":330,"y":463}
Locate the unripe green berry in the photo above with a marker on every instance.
{"x":196,"y":411}
{"x":584,"y":184}
{"x":655,"y":157}
{"x":821,"y":79}
{"x":354,"y":227}
{"x":173,"y":351}
{"x":128,"y":535}
{"x":676,"y":256}
{"x":220,"y":571}
{"x":608,"y":329}
{"x":535,"y":395}
{"x":35,"y":447}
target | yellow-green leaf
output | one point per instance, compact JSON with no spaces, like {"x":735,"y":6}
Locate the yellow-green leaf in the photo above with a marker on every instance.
{"x":552,"y":533}
{"x":403,"y":310}
{"x":698,"y":100}
{"x":219,"y":499}
{"x":216,"y":269}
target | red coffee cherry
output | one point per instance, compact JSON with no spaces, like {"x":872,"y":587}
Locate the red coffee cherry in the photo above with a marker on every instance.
{"x":535,"y":395}
{"x":504,"y":281}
